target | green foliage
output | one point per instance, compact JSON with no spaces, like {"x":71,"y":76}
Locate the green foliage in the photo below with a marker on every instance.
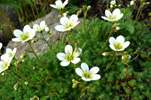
{"x":15,"y":3}
{"x":117,"y":83}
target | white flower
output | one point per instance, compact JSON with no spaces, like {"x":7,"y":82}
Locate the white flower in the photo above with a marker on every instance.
{"x":59,"y":5}
{"x":40,"y":27}
{"x":7,"y":58}
{"x":5,"y":63}
{"x":25,"y":35}
{"x":113,"y":2}
{"x":86,"y":74}
{"x":1,"y":45}
{"x":69,"y":56}
{"x":118,"y":44}
{"x":11,"y":53}
{"x":115,"y":16}
{"x":67,"y":24}
{"x":132,"y":3}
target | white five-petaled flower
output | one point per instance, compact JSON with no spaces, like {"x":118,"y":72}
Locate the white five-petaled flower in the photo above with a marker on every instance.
{"x":59,"y":5}
{"x":86,"y":74}
{"x":41,"y":27}
{"x":67,"y":24}
{"x":6,"y":59}
{"x":25,"y":35}
{"x":69,"y":56}
{"x":118,"y":44}
{"x":114,"y":16}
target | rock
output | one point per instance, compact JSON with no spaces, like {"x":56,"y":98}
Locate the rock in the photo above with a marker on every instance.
{"x":6,"y":34}
{"x":40,"y":46}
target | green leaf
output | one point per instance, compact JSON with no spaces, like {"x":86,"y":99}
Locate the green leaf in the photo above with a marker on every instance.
{"x":130,"y":28}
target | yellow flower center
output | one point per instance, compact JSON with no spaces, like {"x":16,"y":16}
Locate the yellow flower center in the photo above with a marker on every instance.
{"x":24,"y":36}
{"x":111,"y":17}
{"x":118,"y":46}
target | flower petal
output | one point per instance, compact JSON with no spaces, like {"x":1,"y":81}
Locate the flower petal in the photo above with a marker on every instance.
{"x":68,"y":50}
{"x":60,"y":28}
{"x":105,"y":18}
{"x":116,"y":12}
{"x":120,"y":39}
{"x":65,"y":63}
{"x":119,"y":16}
{"x":2,"y":67}
{"x":16,"y":40}
{"x":126,"y":44}
{"x":61,"y":56}
{"x":73,"y":18}
{"x":32,"y":34}
{"x":42,"y":25}
{"x":17,"y":32}
{"x":36,"y":27}
{"x":86,"y":79}
{"x":53,"y":6}
{"x":65,"y":3}
{"x":79,"y":71}
{"x":75,"y":61}
{"x":96,"y":77}
{"x":112,"y":47}
{"x":107,"y":13}
{"x":112,"y":40}
{"x":85,"y":67}
{"x":1,"y":45}
{"x":94,"y":70}
{"x":26,"y":29}
{"x":64,"y":21}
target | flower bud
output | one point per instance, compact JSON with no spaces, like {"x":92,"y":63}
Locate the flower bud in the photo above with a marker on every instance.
{"x":105,"y":54}
{"x":84,"y":7}
{"x":34,"y":68}
{"x":47,"y":30}
{"x":34,"y":98}
{"x":17,"y":63}
{"x":26,"y":83}
{"x":125,"y":58}
{"x":34,"y":40}
{"x":132,"y":3}
{"x":88,"y":7}
{"x":3,"y":74}
{"x":79,"y":12}
{"x":117,"y":28}
{"x":74,"y":85}
{"x":111,"y":6}
{"x":59,"y":16}
{"x":16,"y":86}
{"x":73,"y":80}
{"x":23,"y":55}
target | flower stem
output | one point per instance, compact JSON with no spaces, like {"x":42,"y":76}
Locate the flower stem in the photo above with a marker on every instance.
{"x":68,"y":37}
{"x":82,"y":90}
{"x":23,"y":76}
{"x":85,"y":14}
{"x":7,"y":80}
{"x":108,"y":66}
{"x":4,"y":97}
{"x":106,"y":40}
{"x":35,"y":53}
{"x":47,"y":42}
